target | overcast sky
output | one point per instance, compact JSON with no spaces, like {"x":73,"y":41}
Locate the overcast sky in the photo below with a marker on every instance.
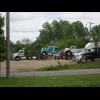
{"x":28,"y":24}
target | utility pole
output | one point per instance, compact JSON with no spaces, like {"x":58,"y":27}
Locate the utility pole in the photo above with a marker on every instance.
{"x":90,"y":29}
{"x":7,"y":45}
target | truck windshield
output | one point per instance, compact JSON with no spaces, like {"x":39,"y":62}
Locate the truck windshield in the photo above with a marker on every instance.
{"x":86,"y":50}
{"x":50,"y":48}
{"x":92,"y":50}
{"x":56,"y":48}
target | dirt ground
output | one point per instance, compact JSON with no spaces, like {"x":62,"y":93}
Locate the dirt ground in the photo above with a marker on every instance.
{"x":31,"y":65}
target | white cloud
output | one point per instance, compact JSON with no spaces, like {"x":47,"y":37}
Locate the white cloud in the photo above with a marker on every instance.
{"x":20,"y":35}
{"x":28,"y":24}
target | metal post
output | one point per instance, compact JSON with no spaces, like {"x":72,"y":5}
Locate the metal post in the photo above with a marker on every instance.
{"x":7,"y":45}
{"x":90,"y":30}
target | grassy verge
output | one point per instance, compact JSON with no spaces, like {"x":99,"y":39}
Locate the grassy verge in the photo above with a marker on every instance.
{"x":52,"y":81}
{"x":71,"y":66}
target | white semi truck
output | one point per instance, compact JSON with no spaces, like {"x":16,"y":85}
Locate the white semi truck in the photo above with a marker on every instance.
{"x":69,"y":52}
{"x":23,"y":54}
{"x":90,"y":52}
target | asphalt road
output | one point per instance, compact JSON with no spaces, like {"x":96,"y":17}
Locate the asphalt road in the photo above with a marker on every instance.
{"x":61,"y":72}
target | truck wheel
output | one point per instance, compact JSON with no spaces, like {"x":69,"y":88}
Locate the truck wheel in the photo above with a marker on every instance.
{"x":37,"y":58}
{"x":68,"y":58}
{"x":43,"y":53}
{"x":29,"y":58}
{"x":68,"y":55}
{"x":89,"y":60}
{"x":78,"y":62}
{"x":73,"y":58}
{"x":17,"y":58}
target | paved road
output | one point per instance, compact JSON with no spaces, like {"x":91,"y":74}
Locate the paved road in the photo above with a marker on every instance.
{"x":62,"y":72}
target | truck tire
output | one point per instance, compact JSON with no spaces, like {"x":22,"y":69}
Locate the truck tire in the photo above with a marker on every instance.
{"x":29,"y":58}
{"x":17,"y":58}
{"x":68,"y":55}
{"x":73,"y":58}
{"x":38,"y":57}
{"x":43,"y":53}
{"x":89,"y":58}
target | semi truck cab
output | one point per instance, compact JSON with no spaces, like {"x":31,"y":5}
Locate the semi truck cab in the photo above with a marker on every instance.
{"x":50,"y":50}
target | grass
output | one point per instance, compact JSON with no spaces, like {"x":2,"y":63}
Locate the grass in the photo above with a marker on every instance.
{"x":92,"y":80}
{"x":71,"y":66}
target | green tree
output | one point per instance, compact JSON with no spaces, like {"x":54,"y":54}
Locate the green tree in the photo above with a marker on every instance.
{"x":26,"y":41}
{"x":78,"y":29}
{"x":17,"y":46}
{"x":57,"y":30}
{"x":2,"y":41}
{"x":46,"y":34}
{"x":95,"y":32}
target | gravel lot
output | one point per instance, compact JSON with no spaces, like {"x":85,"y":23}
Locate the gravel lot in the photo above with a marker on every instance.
{"x":31,"y":65}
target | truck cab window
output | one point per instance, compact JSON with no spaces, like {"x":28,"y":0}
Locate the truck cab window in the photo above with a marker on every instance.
{"x":21,"y":52}
{"x":92,"y":50}
{"x":55,"y":48}
{"x":49,"y":48}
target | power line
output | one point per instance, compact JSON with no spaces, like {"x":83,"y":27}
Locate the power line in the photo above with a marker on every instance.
{"x":27,"y":31}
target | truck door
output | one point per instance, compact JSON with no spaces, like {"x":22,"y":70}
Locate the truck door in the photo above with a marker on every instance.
{"x":50,"y":49}
{"x":98,"y":52}
{"x":21,"y":53}
{"x":55,"y":50}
